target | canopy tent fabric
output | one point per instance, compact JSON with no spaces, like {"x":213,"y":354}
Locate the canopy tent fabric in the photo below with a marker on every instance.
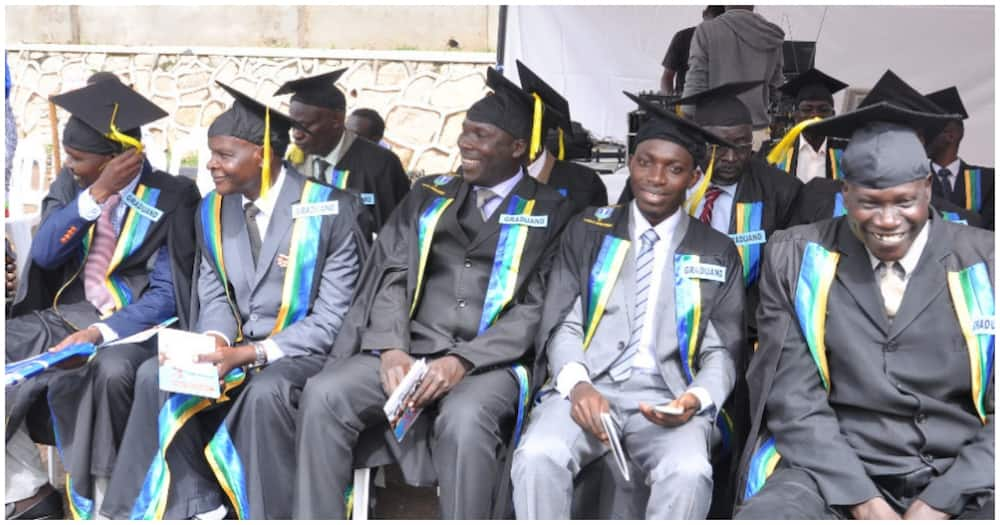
{"x":592,"y":53}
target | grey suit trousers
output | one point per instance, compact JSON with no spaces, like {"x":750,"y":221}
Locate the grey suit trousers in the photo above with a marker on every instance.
{"x":675,"y":462}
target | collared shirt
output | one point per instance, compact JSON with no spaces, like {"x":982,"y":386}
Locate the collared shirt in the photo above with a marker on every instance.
{"x":535,"y":168}
{"x":310,"y":168}
{"x":912,"y":257}
{"x":954,"y":167}
{"x":723,"y":208}
{"x":811,"y":163}
{"x":501,"y":190}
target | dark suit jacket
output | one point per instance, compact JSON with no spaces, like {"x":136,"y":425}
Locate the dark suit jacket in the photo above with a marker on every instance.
{"x":967,"y":200}
{"x":580,"y":184}
{"x":375,"y":171}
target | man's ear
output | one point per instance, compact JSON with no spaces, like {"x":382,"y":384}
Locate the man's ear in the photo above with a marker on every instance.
{"x":519,"y":148}
{"x":258,"y":155}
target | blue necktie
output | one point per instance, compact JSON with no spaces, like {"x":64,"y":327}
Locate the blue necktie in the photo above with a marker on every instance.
{"x":622,"y":368}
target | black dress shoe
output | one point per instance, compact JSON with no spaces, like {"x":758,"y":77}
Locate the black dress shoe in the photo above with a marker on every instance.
{"x":48,"y":508}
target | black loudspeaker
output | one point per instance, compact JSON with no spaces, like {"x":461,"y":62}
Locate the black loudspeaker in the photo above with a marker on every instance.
{"x":799,"y":56}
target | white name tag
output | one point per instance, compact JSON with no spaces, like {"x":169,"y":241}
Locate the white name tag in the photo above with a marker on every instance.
{"x":712,"y":272}
{"x":368,"y":199}
{"x":316,"y":208}
{"x":754,"y":237}
{"x":140,"y":207}
{"x":534,"y":221}
{"x":984,"y":326}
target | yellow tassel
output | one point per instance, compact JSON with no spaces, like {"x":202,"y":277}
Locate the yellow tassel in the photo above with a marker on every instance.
{"x":778,"y":151}
{"x":536,"y":129}
{"x":699,"y":192}
{"x":265,"y":170}
{"x":116,"y":135}
{"x":562,"y":146}
{"x":295,"y":155}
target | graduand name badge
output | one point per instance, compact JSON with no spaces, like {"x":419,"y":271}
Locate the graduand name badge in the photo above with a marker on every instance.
{"x":984,"y":326}
{"x":315,"y":208}
{"x":146,"y":210}
{"x":710,"y":272}
{"x":368,"y":199}
{"x":752,"y":237}
{"x":533,"y":221}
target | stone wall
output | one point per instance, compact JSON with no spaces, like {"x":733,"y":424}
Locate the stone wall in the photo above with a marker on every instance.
{"x":422,"y":96}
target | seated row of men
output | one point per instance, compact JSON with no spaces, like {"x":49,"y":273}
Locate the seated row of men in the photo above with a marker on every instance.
{"x":536,"y":312}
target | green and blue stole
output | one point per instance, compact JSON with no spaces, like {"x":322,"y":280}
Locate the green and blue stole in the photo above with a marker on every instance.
{"x":80,"y":508}
{"x":603,"y":275}
{"x":749,"y":238}
{"x":839,"y":210}
{"x":952,"y":216}
{"x":972,"y":295}
{"x":973,"y":179}
{"x":834,"y":156}
{"x":338,"y":178}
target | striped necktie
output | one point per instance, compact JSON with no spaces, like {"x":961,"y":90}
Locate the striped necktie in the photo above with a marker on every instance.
{"x":711,"y":195}
{"x":101,"y":250}
{"x":622,"y":368}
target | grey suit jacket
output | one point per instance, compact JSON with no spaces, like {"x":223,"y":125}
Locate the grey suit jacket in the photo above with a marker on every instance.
{"x":715,"y":369}
{"x":257,"y":291}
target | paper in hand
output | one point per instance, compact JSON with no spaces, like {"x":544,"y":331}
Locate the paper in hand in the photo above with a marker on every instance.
{"x":180,"y":372}
{"x":395,"y":407}
{"x":614,"y":440}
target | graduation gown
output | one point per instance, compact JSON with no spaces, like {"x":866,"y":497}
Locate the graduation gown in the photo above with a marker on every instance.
{"x":580,"y":184}
{"x":72,"y":408}
{"x":974,"y":187}
{"x":585,"y":249}
{"x":888,"y":397}
{"x":790,"y":164}
{"x":821,"y":199}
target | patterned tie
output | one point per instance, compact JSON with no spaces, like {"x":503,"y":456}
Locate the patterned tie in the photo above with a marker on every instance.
{"x":102,"y":249}
{"x":319,"y":169}
{"x":706,"y":211}
{"x":250,"y":212}
{"x":892,"y":286}
{"x":622,"y":368}
{"x":944,"y":180}
{"x":483,"y":197}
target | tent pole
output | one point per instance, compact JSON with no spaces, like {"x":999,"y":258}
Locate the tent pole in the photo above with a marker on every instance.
{"x":501,"y":36}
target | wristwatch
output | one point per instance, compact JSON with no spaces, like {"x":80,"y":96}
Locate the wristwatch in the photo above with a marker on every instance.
{"x":261,"y":360}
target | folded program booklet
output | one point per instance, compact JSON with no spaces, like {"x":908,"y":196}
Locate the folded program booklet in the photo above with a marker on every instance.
{"x":179,"y":371}
{"x":614,"y":439}
{"x":395,"y":407}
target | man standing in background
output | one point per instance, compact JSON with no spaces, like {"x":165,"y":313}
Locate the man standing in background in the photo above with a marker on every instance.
{"x":675,"y":62}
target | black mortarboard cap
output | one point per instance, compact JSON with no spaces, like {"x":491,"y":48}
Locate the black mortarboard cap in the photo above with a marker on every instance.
{"x":721,"y":106}
{"x":245,"y":120}
{"x":949,"y":100}
{"x":556,"y":113}
{"x":891,"y":88}
{"x":509,"y":107}
{"x":92,"y":108}
{"x":884,"y":149}
{"x":318,"y":90}
{"x":663,"y":124}
{"x":812,"y":85}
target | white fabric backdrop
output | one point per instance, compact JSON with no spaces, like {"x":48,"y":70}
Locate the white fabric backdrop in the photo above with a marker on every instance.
{"x":592,"y":53}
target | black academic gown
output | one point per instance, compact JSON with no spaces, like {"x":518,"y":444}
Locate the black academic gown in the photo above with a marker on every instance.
{"x":80,"y":403}
{"x":983,"y":205}
{"x":375,"y":171}
{"x":819,"y":200}
{"x":900,"y":391}
{"x":570,"y":278}
{"x":792,"y":167}
{"x":580,"y":184}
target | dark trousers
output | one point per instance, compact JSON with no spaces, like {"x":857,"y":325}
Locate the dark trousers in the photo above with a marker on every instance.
{"x":467,"y":430}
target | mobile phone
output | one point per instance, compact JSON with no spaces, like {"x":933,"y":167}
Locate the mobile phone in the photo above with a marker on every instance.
{"x":667,"y":408}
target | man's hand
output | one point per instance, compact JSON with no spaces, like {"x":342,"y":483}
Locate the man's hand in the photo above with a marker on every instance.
{"x":228,"y":358}
{"x":116,"y":174}
{"x":874,"y":509}
{"x":588,"y":405}
{"x":921,"y":511}
{"x":687,"y":402}
{"x":442,"y":375}
{"x":90,"y":335}
{"x":393,"y":368}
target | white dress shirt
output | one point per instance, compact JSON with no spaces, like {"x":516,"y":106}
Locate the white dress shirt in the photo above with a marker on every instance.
{"x":910,"y":260}
{"x":501,"y":190}
{"x":535,"y":168}
{"x":723,"y":208}
{"x":811,"y":163}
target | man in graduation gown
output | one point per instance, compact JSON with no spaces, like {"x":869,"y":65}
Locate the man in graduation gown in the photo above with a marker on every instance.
{"x":801,"y":153}
{"x":280,"y":255}
{"x":580,"y":184}
{"x":970,"y":187}
{"x":334,"y":155}
{"x":456,"y":277}
{"x":872,"y":387}
{"x":112,"y":257}
{"x":644,"y":308}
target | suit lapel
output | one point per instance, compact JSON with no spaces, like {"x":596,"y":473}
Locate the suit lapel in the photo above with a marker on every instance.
{"x":857,"y":276}
{"x":525,"y":189}
{"x":236,"y":246}
{"x":450,"y":219}
{"x":927,"y":282}
{"x":279,"y":227}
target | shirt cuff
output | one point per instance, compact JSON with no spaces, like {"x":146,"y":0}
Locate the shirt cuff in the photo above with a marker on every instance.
{"x":703,"y":397}
{"x":219,"y":334}
{"x":106,"y":332}
{"x":89,"y":209}
{"x":571,"y":374}
{"x":272,"y":350}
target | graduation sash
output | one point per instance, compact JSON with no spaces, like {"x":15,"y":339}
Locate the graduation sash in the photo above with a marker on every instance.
{"x":603,"y":275}
{"x":952,"y":216}
{"x":839,"y":209}
{"x":972,"y":297}
{"x":973,"y":178}
{"x":338,"y":178}
{"x":749,"y":237}
{"x":80,"y":508}
{"x":834,"y":156}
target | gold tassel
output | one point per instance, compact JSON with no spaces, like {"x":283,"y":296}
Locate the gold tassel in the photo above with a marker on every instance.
{"x":265,"y":170}
{"x":699,"y":192}
{"x":778,"y":151}
{"x":116,"y":135}
{"x":295,"y":155}
{"x":562,"y":146}
{"x":536,"y":129}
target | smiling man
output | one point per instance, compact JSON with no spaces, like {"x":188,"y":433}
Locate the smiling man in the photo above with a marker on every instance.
{"x":456,"y":277}
{"x":668,"y":295}
{"x":873,"y":381}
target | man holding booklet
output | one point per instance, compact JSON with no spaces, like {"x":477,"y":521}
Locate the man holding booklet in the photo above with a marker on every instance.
{"x":280,"y":256}
{"x":643,"y":323}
